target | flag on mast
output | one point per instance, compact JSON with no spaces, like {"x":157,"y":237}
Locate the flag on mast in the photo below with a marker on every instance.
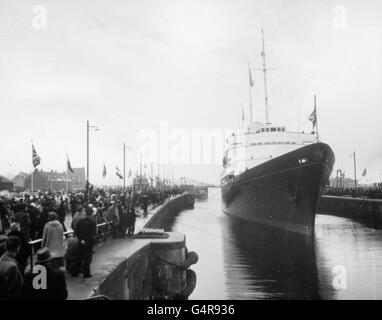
{"x":68,"y":164}
{"x":364,"y":173}
{"x":36,"y":160}
{"x":313,"y":117}
{"x":104,"y":171}
{"x":251,"y":81}
{"x":118,"y":173}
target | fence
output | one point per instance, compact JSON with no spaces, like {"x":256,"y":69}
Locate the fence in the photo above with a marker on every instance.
{"x":103,"y":232}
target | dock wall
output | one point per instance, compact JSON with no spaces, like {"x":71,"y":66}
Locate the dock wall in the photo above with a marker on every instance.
{"x":155,"y":269}
{"x":366,"y":211}
{"x":165,"y":213}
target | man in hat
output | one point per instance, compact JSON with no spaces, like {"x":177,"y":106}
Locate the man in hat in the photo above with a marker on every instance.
{"x":86,"y":230}
{"x":55,"y":288}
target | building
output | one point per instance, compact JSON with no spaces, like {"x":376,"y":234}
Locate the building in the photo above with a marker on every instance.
{"x":342,"y":182}
{"x":141,"y":182}
{"x":19,"y":181}
{"x":57,"y":181}
{"x":5,"y":184}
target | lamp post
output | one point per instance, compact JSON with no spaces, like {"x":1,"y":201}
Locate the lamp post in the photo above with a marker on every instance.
{"x":88,"y":127}
{"x":124,"y":164}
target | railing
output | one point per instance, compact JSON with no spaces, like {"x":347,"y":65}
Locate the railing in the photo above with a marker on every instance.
{"x":103,"y":232}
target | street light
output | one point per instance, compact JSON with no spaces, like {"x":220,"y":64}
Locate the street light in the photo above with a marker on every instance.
{"x":124,"y":164}
{"x":88,"y":127}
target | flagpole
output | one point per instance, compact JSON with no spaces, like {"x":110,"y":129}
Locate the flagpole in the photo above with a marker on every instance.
{"x":140,"y":172}
{"x":355,"y":172}
{"x":32,"y":171}
{"x":250,"y":96}
{"x":315,"y":108}
{"x":124,"y":167}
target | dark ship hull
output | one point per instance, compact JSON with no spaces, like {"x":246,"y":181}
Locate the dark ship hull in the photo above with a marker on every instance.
{"x":283,"y":192}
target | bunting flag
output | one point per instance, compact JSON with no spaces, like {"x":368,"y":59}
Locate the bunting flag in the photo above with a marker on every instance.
{"x":313,"y":117}
{"x":118,"y":173}
{"x":69,"y":167}
{"x":364,"y":173}
{"x":36,"y":160}
{"x":104,"y":171}
{"x":251,"y":81}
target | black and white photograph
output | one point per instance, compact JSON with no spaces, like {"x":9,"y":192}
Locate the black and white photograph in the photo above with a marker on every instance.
{"x":199,"y":150}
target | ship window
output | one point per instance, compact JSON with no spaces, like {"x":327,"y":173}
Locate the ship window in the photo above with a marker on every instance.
{"x":283,"y":129}
{"x":267,"y":129}
{"x":278,"y":129}
{"x":274,"y":142}
{"x":273,"y":129}
{"x":287,"y":142}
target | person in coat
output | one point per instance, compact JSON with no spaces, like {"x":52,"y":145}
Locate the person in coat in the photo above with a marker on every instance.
{"x":53,"y":239}
{"x":22,"y":218}
{"x":24,"y":252}
{"x":56,"y":288}
{"x":113,"y":217}
{"x":86,"y":230}
{"x":11,"y":279}
{"x":80,"y":214}
{"x":132,"y":216}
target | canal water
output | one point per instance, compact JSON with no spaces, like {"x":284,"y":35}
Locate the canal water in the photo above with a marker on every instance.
{"x":239,"y":260}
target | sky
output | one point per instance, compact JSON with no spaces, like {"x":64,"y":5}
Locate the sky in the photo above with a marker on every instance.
{"x":129,"y":66}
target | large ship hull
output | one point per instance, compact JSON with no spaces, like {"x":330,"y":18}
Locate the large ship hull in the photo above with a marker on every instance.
{"x":283,"y":192}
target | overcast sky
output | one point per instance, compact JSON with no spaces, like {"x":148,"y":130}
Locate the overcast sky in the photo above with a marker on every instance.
{"x":127,"y":65}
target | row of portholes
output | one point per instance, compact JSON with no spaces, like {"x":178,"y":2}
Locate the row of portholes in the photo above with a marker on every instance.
{"x":273,"y":142}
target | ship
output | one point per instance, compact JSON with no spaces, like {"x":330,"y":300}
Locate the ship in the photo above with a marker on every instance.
{"x":272,"y":176}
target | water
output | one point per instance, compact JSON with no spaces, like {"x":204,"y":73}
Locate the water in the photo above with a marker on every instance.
{"x":239,"y":260}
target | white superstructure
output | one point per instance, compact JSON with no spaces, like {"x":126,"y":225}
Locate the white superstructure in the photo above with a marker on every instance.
{"x":260,"y":143}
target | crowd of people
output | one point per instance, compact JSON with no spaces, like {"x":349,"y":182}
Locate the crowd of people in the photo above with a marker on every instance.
{"x":41,"y":222}
{"x":363,"y":192}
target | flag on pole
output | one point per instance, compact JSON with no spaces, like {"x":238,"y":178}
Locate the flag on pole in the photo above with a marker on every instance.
{"x":104,"y":171}
{"x":118,"y":173}
{"x":251,"y":81}
{"x":68,"y":165}
{"x":36,"y":160}
{"x":130,"y":173}
{"x":313,"y":117}
{"x":364,"y":173}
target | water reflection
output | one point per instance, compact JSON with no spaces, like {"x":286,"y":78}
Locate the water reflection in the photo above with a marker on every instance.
{"x":240,"y":260}
{"x":269,"y":264}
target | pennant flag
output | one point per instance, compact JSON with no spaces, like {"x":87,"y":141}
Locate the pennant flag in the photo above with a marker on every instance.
{"x":130,"y":173}
{"x":251,"y":81}
{"x":36,"y":160}
{"x":313,"y":117}
{"x":104,"y":171}
{"x":118,"y":173}
{"x":68,"y":165}
{"x":364,"y":173}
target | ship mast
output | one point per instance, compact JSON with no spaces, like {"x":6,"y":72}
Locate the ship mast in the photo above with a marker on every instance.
{"x":265,"y":79}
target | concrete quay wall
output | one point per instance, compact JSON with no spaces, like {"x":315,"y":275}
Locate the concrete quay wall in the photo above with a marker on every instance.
{"x":162,"y":215}
{"x":366,"y":211}
{"x":148,"y":268}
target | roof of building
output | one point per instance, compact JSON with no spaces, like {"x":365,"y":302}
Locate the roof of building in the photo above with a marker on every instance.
{"x":4,"y":180}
